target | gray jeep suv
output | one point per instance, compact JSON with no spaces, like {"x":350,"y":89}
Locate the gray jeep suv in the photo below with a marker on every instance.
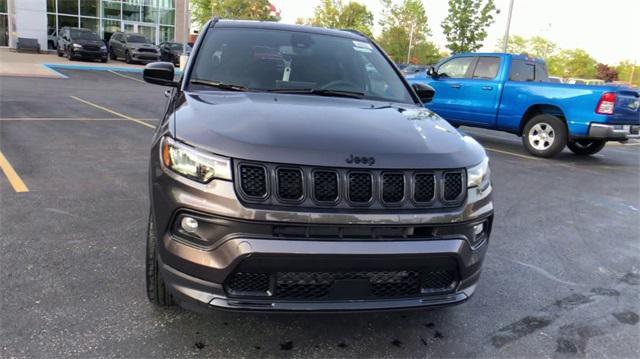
{"x":132,"y":48}
{"x":296,"y":170}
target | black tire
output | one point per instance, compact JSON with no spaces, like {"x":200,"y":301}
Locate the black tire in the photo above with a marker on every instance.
{"x":156,"y":289}
{"x":127,"y":57}
{"x":58,"y":52}
{"x":545,"y":147}
{"x":586,"y":147}
{"x":104,"y":60}
{"x":112,"y":55}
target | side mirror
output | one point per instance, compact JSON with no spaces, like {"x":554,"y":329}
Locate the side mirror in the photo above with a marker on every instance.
{"x":431,"y":71}
{"x":424,"y":92}
{"x":160,"y":73}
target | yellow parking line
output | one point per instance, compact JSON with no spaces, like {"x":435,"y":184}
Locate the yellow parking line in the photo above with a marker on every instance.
{"x":112,"y":112}
{"x":126,"y":77}
{"x":511,"y":153}
{"x":15,"y":180}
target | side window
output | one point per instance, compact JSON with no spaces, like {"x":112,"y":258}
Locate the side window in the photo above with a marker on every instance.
{"x":487,"y":68}
{"x":541,"y":73}
{"x":522,"y":71}
{"x":456,"y":68}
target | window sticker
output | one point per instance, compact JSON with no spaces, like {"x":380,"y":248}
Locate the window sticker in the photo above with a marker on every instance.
{"x":362,"y":45}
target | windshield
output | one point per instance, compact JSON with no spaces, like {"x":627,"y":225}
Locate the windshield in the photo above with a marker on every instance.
{"x":276,"y":60}
{"x":84,"y":35}
{"x":136,"y":38}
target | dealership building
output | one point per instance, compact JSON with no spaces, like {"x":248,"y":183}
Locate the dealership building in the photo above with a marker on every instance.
{"x":158,"y":20}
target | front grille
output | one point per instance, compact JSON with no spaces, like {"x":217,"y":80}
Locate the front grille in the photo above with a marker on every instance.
{"x":254,"y":180}
{"x":339,"y":285}
{"x":290,"y":184}
{"x":360,"y":187}
{"x":452,"y":186}
{"x":343,"y":188}
{"x":142,"y":49}
{"x":91,"y":47}
{"x":392,"y":187}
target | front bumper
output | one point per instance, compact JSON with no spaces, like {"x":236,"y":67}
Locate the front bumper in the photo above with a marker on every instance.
{"x":244,"y":239}
{"x":613,"y":132}
{"x":88,"y":54}
{"x":145,"y":56}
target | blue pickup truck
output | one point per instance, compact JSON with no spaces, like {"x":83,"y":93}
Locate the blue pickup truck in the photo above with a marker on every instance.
{"x":513,"y":93}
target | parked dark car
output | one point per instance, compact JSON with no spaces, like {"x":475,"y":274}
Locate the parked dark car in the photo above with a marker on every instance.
{"x":77,"y":43}
{"x":320,"y":185}
{"x":171,"y":52}
{"x":132,"y":48}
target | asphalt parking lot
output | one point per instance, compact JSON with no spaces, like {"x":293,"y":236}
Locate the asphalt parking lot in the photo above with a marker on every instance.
{"x":561,"y":278}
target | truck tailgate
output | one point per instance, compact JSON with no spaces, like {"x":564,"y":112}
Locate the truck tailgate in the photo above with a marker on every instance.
{"x":627,"y":108}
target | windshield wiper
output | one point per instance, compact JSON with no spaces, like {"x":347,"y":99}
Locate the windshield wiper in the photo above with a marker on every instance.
{"x":321,"y":92}
{"x":220,"y":85}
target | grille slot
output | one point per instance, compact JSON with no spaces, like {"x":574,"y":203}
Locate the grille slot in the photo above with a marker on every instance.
{"x":253,"y":180}
{"x":452,"y":186}
{"x":248,"y":284}
{"x":438,"y":281}
{"x":325,"y":186}
{"x":290,"y":185}
{"x":392,"y":187}
{"x":424,"y":187}
{"x":360,"y":187}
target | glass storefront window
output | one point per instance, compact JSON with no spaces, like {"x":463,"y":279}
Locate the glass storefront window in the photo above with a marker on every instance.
{"x":89,"y":7}
{"x":149,"y":14}
{"x":51,"y":5}
{"x":111,"y":10}
{"x":68,"y":7}
{"x":131,"y":12}
{"x":4,"y":30}
{"x":167,"y":17}
{"x":109,"y":27}
{"x":3,"y":6}
{"x":52,"y":31}
{"x":89,"y":23}
{"x":166,"y":33}
{"x":70,"y":21}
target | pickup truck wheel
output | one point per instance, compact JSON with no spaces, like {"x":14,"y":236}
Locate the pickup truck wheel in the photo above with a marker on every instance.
{"x":544,"y":135}
{"x":156,"y":289}
{"x":586,"y":147}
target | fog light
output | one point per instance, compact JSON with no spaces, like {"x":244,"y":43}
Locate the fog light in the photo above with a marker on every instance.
{"x":189,"y":224}
{"x":478,"y":229}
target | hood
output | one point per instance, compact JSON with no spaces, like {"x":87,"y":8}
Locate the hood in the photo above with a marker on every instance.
{"x":321,"y":131}
{"x":140,"y":45}
{"x":88,"y":42}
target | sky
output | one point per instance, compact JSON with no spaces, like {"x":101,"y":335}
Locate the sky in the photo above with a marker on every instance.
{"x":608,"y":30}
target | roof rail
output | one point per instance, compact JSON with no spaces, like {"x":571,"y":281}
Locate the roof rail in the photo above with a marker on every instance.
{"x":214,"y":21}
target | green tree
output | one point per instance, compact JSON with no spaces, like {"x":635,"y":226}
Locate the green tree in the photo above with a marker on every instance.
{"x":335,"y":14}
{"x":572,"y":63}
{"x":517,"y":45}
{"x":629,"y":72}
{"x":465,"y":27}
{"x":402,"y":23}
{"x":539,"y":47}
{"x":204,"y":10}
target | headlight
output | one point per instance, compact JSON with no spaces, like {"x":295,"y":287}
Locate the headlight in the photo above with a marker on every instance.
{"x":103,"y":47}
{"x":194,"y":164}
{"x":478,"y":174}
{"x":77,"y":46}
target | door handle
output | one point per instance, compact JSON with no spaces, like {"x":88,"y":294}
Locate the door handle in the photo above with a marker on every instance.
{"x":488,"y":88}
{"x":455,"y":86}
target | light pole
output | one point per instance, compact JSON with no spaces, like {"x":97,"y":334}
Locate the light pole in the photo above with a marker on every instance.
{"x":413,"y":26}
{"x":187,"y":22}
{"x":506,"y":32}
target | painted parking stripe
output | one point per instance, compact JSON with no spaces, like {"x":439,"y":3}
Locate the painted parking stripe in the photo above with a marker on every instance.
{"x":15,"y":180}
{"x":512,"y":154}
{"x":126,"y":77}
{"x":113,"y":112}
{"x":28,"y":119}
